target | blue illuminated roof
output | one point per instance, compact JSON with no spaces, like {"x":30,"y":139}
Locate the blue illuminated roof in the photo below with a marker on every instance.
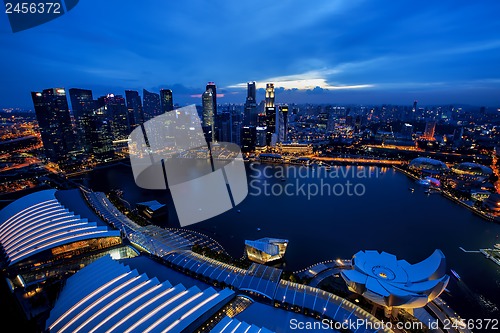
{"x":39,"y":222}
{"x":383,"y":279}
{"x":107,"y":296}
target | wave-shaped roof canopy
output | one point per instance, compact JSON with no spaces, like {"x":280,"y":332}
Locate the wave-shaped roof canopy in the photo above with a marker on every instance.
{"x":39,"y":222}
{"x":107,"y":296}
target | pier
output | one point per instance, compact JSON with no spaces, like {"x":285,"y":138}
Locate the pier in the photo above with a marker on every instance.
{"x":468,"y":251}
{"x":492,"y":254}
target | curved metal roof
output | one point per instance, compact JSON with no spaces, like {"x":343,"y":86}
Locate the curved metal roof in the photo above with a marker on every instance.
{"x":428,"y":163}
{"x":107,"y":296}
{"x":233,"y":325}
{"x":472,"y":168}
{"x":38,"y":222}
{"x":383,"y":279}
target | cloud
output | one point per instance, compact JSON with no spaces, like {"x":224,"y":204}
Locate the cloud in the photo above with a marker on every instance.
{"x":305,"y":81}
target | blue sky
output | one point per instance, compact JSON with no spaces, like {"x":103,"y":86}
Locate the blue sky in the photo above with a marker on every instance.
{"x":438,"y":52}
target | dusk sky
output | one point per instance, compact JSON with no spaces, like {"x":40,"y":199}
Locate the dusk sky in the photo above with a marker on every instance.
{"x":361,"y":52}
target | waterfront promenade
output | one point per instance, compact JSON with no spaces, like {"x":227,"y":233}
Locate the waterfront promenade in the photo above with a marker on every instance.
{"x":446,"y":194}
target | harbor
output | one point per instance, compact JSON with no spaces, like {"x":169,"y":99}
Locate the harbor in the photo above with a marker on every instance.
{"x":468,"y":205}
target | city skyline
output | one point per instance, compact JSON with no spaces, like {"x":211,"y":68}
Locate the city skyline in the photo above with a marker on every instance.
{"x":335,"y":52}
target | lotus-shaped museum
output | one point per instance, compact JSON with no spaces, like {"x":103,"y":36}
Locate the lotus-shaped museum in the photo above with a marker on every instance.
{"x":383,"y":279}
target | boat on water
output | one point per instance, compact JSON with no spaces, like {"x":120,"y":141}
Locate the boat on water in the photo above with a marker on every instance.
{"x":455,"y":274}
{"x":411,"y":189}
{"x":497,"y":246}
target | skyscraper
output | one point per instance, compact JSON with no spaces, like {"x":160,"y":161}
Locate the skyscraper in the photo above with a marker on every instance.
{"x":248,"y":138}
{"x":54,"y":121}
{"x":224,"y":129}
{"x":82,"y":104}
{"x":134,"y":108}
{"x":167,"y":102}
{"x":430,"y":127}
{"x":250,"y":112}
{"x":151,"y":103}
{"x":211,"y":85}
{"x":414,"y":110}
{"x":251,"y":91}
{"x":237,"y":123}
{"x":270,"y":110}
{"x":208,"y":114}
{"x":100,"y":136}
{"x":283,"y":123}
{"x":270,"y":95}
{"x":117,"y":113}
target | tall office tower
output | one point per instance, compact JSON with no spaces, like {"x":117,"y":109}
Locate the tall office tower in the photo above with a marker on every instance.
{"x":250,"y":112}
{"x":151,"y":104}
{"x":117,"y":114}
{"x":248,"y":138}
{"x":54,"y":121}
{"x":414,"y":110}
{"x":236,"y":123}
{"x":134,"y":108}
{"x":208,"y":115}
{"x":270,"y":95}
{"x":283,"y":123}
{"x":430,"y":127}
{"x":211,"y":86}
{"x":100,"y":135}
{"x":82,"y":104}
{"x":166,"y":99}
{"x":270,"y":114}
{"x":224,"y":127}
{"x":260,"y":136}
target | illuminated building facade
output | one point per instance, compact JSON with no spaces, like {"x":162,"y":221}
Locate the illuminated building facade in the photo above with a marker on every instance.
{"x":430,"y":128}
{"x":283,"y":123}
{"x":248,"y":138}
{"x":134,"y":108}
{"x":54,"y":121}
{"x":208,"y":114}
{"x":151,"y":104}
{"x":82,"y":105}
{"x":152,"y":210}
{"x":167,"y":100}
{"x":270,"y":111}
{"x":211,"y":86}
{"x":266,"y":250}
{"x":116,"y":112}
{"x":250,"y":112}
